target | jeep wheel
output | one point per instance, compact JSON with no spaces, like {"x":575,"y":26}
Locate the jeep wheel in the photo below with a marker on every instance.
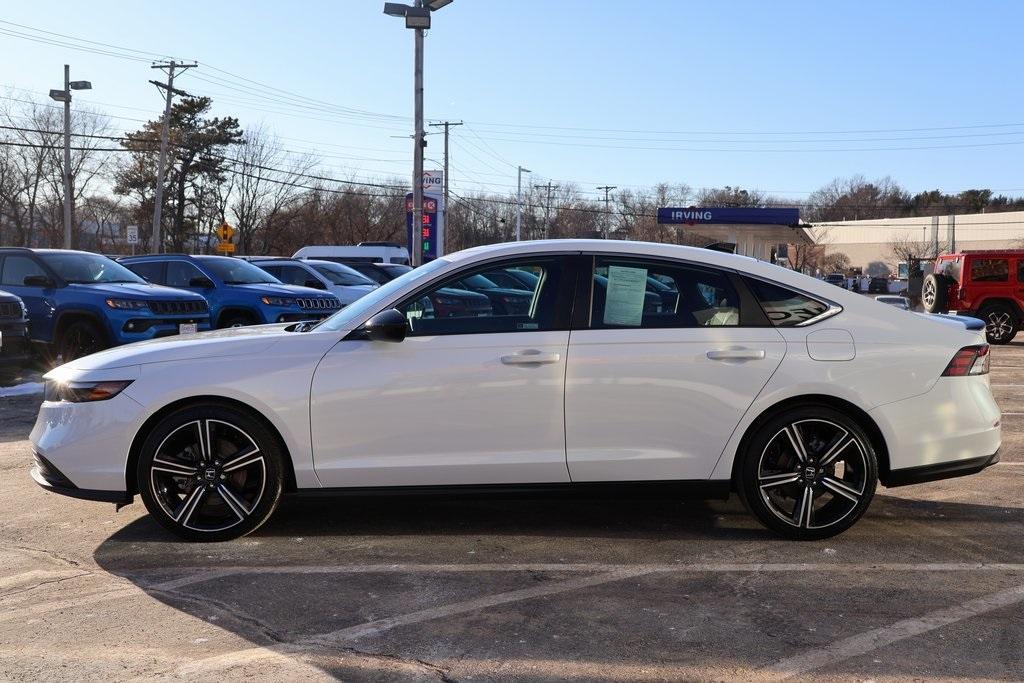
{"x":78,"y":339}
{"x":1000,"y":323}
{"x":935,"y":293}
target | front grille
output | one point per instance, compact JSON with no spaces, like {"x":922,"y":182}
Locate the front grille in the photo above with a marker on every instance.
{"x":319,"y":304}
{"x":10,"y":309}
{"x":178,"y":307}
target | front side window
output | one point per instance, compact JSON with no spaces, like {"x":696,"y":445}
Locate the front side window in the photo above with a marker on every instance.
{"x":784,"y":307}
{"x":637,"y":294}
{"x":293,"y":275}
{"x":17,"y":268}
{"x":181,"y":274}
{"x":450,"y":307}
{"x":990,"y":270}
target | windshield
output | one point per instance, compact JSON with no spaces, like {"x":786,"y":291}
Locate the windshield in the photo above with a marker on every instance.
{"x":368,"y":304}
{"x":234,"y":271}
{"x":478,"y":282}
{"x":341,"y":275}
{"x":85,"y":269}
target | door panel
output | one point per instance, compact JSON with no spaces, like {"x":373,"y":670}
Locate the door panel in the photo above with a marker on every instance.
{"x":441,"y":410}
{"x":655,"y":404}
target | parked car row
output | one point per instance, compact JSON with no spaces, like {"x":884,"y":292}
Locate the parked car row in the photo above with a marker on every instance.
{"x":64,"y":304}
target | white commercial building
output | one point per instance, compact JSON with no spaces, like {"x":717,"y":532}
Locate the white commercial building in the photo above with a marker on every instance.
{"x":869,"y":243}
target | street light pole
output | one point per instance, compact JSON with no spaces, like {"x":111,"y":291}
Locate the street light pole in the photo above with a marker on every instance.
{"x":69,"y":178}
{"x":69,"y":183}
{"x":519,"y":201}
{"x":417,"y":162}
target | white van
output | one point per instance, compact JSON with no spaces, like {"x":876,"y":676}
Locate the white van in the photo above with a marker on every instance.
{"x":370,"y":252}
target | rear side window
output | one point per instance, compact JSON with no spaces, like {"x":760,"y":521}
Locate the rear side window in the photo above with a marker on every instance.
{"x":653,"y":294}
{"x":153,"y":272}
{"x":990,"y":270}
{"x":1020,"y":270}
{"x":784,"y":307}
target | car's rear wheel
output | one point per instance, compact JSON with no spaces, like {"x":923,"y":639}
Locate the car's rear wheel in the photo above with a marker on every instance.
{"x":210,"y":472}
{"x":809,"y":473}
{"x":1000,"y":323}
{"x":80,"y":338}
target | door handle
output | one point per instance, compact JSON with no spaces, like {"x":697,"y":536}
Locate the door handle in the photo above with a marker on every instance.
{"x":530,"y":357}
{"x":736,"y":354}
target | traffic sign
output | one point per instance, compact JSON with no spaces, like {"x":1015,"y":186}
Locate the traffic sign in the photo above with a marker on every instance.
{"x":225,"y":248}
{"x":225,"y":232}
{"x":132,"y":235}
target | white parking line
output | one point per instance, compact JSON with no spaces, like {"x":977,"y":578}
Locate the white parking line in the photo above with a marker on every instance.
{"x":901,"y":630}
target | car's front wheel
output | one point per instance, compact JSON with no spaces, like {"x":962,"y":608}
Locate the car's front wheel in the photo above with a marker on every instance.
{"x":210,"y":472}
{"x":808,"y":473}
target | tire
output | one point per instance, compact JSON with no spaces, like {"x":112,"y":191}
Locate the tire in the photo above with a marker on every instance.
{"x":235,"y":319}
{"x":204,"y":492}
{"x":809,"y":451}
{"x":80,"y":338}
{"x":935,"y":293}
{"x":1001,"y":323}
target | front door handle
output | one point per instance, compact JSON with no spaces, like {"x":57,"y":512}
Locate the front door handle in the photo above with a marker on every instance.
{"x":530,"y":357}
{"x":736,"y":354}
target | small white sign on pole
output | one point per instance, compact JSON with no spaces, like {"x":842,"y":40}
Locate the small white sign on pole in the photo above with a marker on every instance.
{"x":132,"y":235}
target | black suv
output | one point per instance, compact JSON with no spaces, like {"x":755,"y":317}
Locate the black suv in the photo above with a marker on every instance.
{"x":14,"y":346}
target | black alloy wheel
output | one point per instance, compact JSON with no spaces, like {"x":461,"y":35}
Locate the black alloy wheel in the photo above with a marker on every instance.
{"x":210,"y":473}
{"x":809,"y":474}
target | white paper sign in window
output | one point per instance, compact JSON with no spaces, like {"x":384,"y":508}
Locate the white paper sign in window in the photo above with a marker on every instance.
{"x":624,"y":300}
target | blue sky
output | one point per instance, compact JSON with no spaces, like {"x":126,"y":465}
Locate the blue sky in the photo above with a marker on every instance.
{"x":747,"y":93}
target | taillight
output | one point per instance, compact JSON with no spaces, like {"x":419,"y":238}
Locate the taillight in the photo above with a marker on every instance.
{"x":970,"y":360}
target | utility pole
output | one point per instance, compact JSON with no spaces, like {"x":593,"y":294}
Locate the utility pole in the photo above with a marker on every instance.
{"x":519,"y":201}
{"x":547,"y":210}
{"x":607,"y":207}
{"x":446,"y":124}
{"x":156,"y":244}
{"x":419,"y":142}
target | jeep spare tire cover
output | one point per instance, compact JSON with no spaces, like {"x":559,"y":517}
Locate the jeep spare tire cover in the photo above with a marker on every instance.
{"x":935,"y":293}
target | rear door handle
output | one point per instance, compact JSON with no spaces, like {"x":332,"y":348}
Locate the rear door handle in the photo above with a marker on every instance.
{"x":530,"y":357}
{"x":736,"y":354}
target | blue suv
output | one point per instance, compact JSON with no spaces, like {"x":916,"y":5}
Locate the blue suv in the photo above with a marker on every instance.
{"x":238,"y":292}
{"x":79,"y":303}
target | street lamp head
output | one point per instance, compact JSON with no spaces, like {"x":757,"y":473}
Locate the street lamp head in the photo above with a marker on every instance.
{"x":396,"y":9}
{"x":60,"y":95}
{"x":80,"y":85}
{"x":417,"y":17}
{"x":435,"y":5}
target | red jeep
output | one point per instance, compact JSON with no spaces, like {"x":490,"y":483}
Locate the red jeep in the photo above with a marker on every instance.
{"x":982,"y":284}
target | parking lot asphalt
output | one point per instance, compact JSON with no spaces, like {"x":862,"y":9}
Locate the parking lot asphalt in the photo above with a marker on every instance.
{"x":929,"y":584}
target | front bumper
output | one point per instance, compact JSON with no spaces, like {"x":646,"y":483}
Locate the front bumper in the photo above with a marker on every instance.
{"x":136,"y":327}
{"x":52,"y":479}
{"x":15,"y":348}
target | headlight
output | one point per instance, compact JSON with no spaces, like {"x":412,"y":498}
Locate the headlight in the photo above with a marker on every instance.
{"x":278,"y":301}
{"x":128,"y":304}
{"x":82,"y":392}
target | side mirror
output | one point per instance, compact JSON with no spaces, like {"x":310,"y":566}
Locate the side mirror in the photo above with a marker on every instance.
{"x":201,"y":283}
{"x":38,"y":281}
{"x":315,"y":284}
{"x":388,"y":326}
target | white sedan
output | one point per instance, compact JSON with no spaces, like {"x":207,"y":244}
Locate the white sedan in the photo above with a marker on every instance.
{"x":734,"y":376}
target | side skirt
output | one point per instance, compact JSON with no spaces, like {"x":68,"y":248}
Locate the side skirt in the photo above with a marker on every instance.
{"x":701,"y":489}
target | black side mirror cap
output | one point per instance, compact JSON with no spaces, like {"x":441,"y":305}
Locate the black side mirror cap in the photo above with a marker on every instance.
{"x":386,"y":326}
{"x":201,"y":282}
{"x":38,"y":281}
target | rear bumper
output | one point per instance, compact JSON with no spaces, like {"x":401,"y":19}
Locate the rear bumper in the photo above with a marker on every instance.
{"x":954,"y":428}
{"x":52,"y":479}
{"x":944,"y":470}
